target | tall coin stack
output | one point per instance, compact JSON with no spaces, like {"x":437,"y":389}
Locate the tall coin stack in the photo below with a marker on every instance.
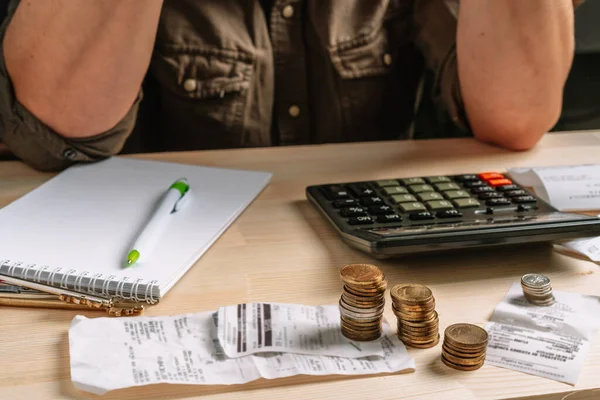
{"x":464,"y":347}
{"x":537,"y":289}
{"x":418,"y":323}
{"x":362,"y":302}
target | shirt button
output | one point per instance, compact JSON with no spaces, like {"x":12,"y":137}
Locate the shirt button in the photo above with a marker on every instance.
{"x":69,"y":154}
{"x":294,"y":111}
{"x":288,"y":11}
{"x":387,"y":59}
{"x":190,"y":85}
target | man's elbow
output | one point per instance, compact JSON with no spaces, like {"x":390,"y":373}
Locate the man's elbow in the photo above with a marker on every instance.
{"x":517,"y":131}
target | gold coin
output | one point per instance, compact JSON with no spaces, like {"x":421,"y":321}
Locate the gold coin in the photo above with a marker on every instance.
{"x":462,"y":354}
{"x":463,"y":361}
{"x":370,"y":297}
{"x":466,"y":335}
{"x":361,"y":274}
{"x":419,"y":308}
{"x":359,"y":336}
{"x":418,"y":339}
{"x":468,"y":352}
{"x":361,"y":322}
{"x":414,"y":317}
{"x":411,"y":293}
{"x":419,"y":331}
{"x":369,"y":291}
{"x":420,"y":323}
{"x":422,"y":345}
{"x":461,"y":367}
{"x":358,"y":328}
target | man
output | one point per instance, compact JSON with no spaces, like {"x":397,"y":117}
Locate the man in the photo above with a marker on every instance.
{"x":232,"y":73}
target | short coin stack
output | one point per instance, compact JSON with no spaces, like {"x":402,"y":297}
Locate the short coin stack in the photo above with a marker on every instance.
{"x":537,"y":289}
{"x":418,"y":323}
{"x":464,"y":347}
{"x":362,"y":302}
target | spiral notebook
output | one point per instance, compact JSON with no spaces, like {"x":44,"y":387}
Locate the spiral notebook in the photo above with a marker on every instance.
{"x":74,"y":231}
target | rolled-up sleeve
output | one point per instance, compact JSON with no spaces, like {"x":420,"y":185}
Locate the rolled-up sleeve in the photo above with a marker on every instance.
{"x":37,"y":144}
{"x":435,"y":23}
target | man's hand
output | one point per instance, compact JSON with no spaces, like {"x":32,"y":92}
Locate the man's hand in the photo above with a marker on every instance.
{"x":513,"y":60}
{"x":78,"y":65}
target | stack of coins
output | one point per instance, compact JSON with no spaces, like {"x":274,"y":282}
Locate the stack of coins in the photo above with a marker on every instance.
{"x":418,"y":323}
{"x":537,"y":289}
{"x":362,"y":302}
{"x":464,"y":347}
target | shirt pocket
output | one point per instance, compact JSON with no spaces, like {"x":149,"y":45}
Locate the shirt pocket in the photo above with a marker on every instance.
{"x":376,"y":79}
{"x":204,"y":96}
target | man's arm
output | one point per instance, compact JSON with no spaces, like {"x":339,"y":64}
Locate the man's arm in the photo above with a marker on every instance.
{"x":513,"y":61}
{"x":78,"y":65}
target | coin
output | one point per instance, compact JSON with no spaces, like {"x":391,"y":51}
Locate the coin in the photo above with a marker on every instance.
{"x":461,"y":354}
{"x":535,"y":280}
{"x":465,"y":335}
{"x":461,"y":367}
{"x":422,"y":323}
{"x":361,"y":274}
{"x":410,"y":293}
{"x":464,"y":361}
{"x":423,"y":345}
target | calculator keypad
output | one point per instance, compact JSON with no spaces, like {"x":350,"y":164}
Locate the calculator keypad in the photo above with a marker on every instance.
{"x":425,"y":200}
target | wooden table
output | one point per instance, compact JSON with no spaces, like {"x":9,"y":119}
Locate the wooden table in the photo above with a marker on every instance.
{"x":281,"y":250}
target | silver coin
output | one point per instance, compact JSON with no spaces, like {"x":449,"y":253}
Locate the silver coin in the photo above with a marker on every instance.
{"x":535,"y":280}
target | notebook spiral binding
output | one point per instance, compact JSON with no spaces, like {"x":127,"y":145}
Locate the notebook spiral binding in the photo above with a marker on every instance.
{"x":108,"y":286}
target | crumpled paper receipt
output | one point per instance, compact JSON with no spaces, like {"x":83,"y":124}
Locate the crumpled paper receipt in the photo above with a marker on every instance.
{"x":114,"y":353}
{"x":551,"y":342}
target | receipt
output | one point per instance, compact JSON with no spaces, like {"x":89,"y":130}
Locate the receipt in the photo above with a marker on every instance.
{"x":589,"y":247}
{"x":551,"y":342}
{"x":248,"y":329}
{"x":566,"y":188}
{"x":114,"y":353}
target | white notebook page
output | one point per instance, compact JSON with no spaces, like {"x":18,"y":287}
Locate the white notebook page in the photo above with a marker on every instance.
{"x":87,"y":217}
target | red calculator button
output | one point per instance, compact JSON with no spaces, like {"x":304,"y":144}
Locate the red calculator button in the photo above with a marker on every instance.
{"x":499,"y":182}
{"x":486,"y":176}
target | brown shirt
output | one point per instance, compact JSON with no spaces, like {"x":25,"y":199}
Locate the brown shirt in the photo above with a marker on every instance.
{"x":223,"y":76}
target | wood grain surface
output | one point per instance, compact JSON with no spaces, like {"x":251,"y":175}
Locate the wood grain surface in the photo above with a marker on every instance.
{"x":281,"y":250}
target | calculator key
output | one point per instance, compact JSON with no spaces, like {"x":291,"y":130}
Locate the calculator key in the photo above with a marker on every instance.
{"x":515,"y":193}
{"x":524,"y":199}
{"x":353,"y":212}
{"x":337,"y":192}
{"x":360,"y":220}
{"x":443,"y":187}
{"x":466,"y":178}
{"x":421,"y":216}
{"x":439,"y":205}
{"x":421,"y":188}
{"x":412,"y":207}
{"x":389,"y":218}
{"x":506,"y":188}
{"x":472,"y":184}
{"x":490,"y":195}
{"x":449,"y":214}
{"x":487,"y":176}
{"x":412,"y":181}
{"x":403,"y":198}
{"x":523,"y":208}
{"x":361,"y":189}
{"x":497,"y":202}
{"x":379,"y":210}
{"x":438,"y":179}
{"x":428,"y":196}
{"x":388,"y":182}
{"x":344,"y":203}
{"x":482,"y":189}
{"x":372,"y":201}
{"x":456,"y":194}
{"x":395,"y":190}
{"x":466,"y":203}
{"x":499,"y":182}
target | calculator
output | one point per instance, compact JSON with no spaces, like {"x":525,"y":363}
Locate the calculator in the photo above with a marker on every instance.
{"x":420,"y":214}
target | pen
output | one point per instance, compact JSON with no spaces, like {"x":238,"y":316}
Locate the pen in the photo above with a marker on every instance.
{"x":174,"y":200}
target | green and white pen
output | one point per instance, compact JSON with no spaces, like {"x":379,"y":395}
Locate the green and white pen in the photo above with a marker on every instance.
{"x":174,"y":200}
